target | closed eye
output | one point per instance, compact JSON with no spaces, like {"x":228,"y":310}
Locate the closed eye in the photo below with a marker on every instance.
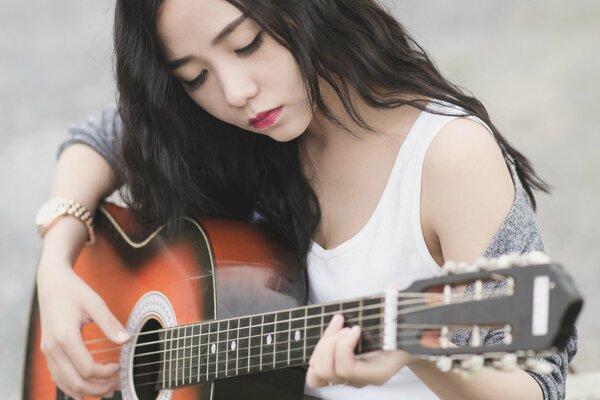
{"x":252,"y":47}
{"x":244,"y":52}
{"x":197,"y":81}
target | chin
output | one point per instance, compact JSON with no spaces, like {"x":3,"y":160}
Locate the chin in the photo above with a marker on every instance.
{"x":283,"y":135}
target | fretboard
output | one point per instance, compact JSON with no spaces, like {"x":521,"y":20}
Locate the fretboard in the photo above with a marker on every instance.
{"x":204,"y":352}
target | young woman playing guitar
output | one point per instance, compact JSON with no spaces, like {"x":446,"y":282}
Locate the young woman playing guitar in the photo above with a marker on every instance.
{"x":323,"y":120}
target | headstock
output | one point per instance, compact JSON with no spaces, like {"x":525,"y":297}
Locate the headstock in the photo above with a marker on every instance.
{"x":528,"y":303}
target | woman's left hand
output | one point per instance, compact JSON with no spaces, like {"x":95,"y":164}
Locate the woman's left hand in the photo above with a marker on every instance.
{"x":333,"y":361}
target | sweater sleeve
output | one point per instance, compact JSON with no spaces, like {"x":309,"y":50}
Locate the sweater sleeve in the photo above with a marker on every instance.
{"x":520,"y":233}
{"x":101,"y":132}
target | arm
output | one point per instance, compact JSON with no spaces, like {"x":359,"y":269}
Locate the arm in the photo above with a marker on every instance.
{"x":467,"y":194}
{"x":66,"y":302}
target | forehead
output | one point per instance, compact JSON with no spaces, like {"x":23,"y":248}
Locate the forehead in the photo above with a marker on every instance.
{"x":185,"y":26}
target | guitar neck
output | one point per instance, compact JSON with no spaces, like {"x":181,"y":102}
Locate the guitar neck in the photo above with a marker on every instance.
{"x":534,"y":307}
{"x":204,"y":352}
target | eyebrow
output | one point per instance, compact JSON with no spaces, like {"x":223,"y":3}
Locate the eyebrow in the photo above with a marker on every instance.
{"x":179,"y":62}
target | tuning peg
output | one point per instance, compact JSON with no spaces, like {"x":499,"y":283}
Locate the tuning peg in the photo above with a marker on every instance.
{"x":484,"y":264}
{"x":473,"y":363}
{"x":507,"y":361}
{"x":452,"y":267}
{"x":444,"y":363}
{"x":536,"y":257}
{"x":539,"y":366}
{"x":449,"y":267}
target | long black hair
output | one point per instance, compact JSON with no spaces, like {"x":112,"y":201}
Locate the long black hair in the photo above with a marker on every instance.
{"x":179,"y":160}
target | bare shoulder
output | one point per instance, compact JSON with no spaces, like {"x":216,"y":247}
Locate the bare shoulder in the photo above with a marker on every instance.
{"x":467,"y":190}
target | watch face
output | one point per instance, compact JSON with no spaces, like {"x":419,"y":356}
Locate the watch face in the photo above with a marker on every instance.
{"x":48,"y":212}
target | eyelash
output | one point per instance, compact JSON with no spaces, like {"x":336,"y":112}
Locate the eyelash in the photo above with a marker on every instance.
{"x":244,"y":53}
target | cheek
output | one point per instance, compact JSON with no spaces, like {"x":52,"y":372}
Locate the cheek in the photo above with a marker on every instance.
{"x":214,"y":107}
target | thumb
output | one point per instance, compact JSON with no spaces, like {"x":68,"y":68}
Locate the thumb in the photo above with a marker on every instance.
{"x":107,"y":322}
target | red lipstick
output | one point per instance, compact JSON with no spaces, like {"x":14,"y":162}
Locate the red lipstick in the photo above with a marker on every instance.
{"x":265,"y":119}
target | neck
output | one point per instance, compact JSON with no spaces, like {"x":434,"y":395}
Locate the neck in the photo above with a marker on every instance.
{"x":203,"y":352}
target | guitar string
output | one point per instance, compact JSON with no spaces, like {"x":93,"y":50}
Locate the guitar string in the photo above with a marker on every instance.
{"x":215,"y":375}
{"x":314,"y":306}
{"x":195,"y":356}
{"x":289,"y":331}
{"x":400,"y":328}
{"x":177,"y":350}
{"x":179,"y":328}
{"x":185,"y":338}
{"x":266,"y":366}
{"x":262,"y":325}
{"x":250,"y":347}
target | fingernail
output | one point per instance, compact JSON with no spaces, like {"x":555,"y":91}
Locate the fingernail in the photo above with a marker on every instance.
{"x":355,"y":329}
{"x":122,"y":336}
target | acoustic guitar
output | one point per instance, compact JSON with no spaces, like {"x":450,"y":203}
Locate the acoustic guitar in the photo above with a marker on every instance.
{"x":219,"y":312}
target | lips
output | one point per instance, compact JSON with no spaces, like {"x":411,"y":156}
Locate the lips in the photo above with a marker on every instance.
{"x":266,"y":118}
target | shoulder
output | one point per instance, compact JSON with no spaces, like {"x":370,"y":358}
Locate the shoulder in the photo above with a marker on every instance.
{"x":467,"y":190}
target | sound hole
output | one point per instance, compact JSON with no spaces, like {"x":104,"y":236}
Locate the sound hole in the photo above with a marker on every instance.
{"x":147,"y":361}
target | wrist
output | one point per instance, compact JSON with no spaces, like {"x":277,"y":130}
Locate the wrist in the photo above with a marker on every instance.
{"x":63,"y":242}
{"x":56,"y":209}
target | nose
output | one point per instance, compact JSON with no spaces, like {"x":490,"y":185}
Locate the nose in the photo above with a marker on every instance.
{"x":238,"y":87}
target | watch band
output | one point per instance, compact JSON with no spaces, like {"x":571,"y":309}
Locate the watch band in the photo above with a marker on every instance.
{"x":60,"y":207}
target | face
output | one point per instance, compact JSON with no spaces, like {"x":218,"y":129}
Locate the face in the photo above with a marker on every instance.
{"x":234,"y":74}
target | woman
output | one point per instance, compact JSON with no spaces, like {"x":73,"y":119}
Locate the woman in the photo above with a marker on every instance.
{"x":328,"y":123}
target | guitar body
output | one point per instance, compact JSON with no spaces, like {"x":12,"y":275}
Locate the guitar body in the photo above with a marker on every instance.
{"x":216,"y":269}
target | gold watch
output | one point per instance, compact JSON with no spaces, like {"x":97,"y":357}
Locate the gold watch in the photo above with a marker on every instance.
{"x":53,"y":209}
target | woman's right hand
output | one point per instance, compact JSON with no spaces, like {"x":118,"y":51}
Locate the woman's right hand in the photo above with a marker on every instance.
{"x":66,"y":304}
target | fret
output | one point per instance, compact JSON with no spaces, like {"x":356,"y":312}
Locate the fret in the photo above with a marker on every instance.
{"x":372,"y":324}
{"x":180,"y":356}
{"x":222,"y":350}
{"x":297,"y":335}
{"x":255,"y":344}
{"x":232,"y":346}
{"x":314,"y":323}
{"x":267,"y":341}
{"x":305,"y":334}
{"x":195,"y":356}
{"x":289,"y":341}
{"x":350,"y":313}
{"x":349,"y":310}
{"x":243,"y":354}
{"x":203,"y":353}
{"x":359,"y":348}
{"x":226,"y":370}
{"x":162,"y":336}
{"x":322,"y":322}
{"x":164,"y":345}
{"x":173,"y":357}
{"x":329,"y":310}
{"x":281,"y":339}
{"x":211,"y":363}
{"x":188,"y":353}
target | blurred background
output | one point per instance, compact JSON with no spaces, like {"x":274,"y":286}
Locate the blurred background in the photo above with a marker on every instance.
{"x":533,"y":64}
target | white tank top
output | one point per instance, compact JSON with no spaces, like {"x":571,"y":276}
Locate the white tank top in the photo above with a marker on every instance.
{"x":389,"y":249}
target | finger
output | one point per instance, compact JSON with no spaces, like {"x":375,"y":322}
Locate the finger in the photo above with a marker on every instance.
{"x":322,"y":363}
{"x":106,"y":321}
{"x":85,"y":364}
{"x":76,"y":383}
{"x":312,"y":380}
{"x":336,"y":323}
{"x":379,"y":368}
{"x":57,"y":377}
{"x":344,"y":354}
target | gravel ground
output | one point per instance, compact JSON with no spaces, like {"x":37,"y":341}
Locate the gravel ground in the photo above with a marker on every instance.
{"x":532,"y":63}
